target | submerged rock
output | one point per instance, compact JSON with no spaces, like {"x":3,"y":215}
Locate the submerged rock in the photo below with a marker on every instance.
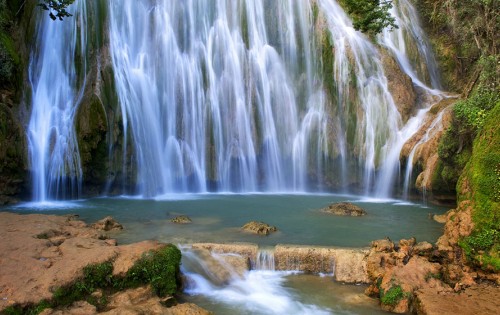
{"x":260,"y":228}
{"x":181,"y":219}
{"x":107,"y":224}
{"x":345,"y":209}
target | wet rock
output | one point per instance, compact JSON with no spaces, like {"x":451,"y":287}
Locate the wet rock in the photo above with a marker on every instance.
{"x":348,"y":265}
{"x":345,"y":209}
{"x":259,"y":228}
{"x":439,"y":218}
{"x":107,"y":224}
{"x":181,"y":219}
{"x":247,"y":250}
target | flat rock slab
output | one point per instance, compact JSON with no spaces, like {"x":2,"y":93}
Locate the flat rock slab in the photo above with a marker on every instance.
{"x":481,"y":299}
{"x":43,"y":252}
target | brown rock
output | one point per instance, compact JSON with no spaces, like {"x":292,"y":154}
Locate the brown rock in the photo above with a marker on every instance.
{"x":107,"y":224}
{"x":345,"y":209}
{"x":439,"y":218}
{"x":181,"y":219}
{"x":384,"y":245}
{"x":259,"y":228}
{"x":400,"y":85}
{"x":422,"y":248}
{"x":247,"y":250}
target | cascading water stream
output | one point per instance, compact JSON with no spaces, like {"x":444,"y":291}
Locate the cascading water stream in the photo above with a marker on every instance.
{"x":56,"y":92}
{"x":256,"y":291}
{"x":409,"y":45}
{"x":376,"y":124}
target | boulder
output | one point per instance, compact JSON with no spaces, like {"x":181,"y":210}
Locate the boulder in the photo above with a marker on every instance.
{"x":107,"y":224}
{"x":181,"y":219}
{"x":345,"y":209}
{"x":259,"y":228}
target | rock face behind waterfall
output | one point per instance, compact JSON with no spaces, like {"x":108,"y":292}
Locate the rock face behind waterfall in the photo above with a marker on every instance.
{"x":344,"y":209}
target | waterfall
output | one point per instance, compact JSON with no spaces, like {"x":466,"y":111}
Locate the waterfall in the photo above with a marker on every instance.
{"x":373,"y":130}
{"x":265,"y":260}
{"x":218,"y":95}
{"x":410,"y":46}
{"x":56,"y":92}
{"x":233,"y":96}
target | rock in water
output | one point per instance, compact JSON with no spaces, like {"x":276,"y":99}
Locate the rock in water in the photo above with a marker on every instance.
{"x":181,"y":219}
{"x":344,"y":208}
{"x":260,"y":228}
{"x":107,"y":224}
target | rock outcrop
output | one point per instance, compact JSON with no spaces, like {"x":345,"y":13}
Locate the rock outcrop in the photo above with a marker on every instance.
{"x":259,"y":228}
{"x":43,"y":253}
{"x":344,"y":209}
{"x":107,"y":224}
{"x":347,"y":265}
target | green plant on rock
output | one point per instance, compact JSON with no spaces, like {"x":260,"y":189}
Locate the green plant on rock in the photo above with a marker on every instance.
{"x":393,"y":295}
{"x":158,"y":268}
{"x":482,"y":248}
{"x":56,"y":8}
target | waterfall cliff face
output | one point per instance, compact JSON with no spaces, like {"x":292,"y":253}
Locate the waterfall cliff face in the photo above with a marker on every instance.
{"x":238,"y":96}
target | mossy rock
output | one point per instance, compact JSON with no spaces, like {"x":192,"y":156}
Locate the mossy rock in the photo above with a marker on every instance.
{"x":344,"y":209}
{"x":259,"y":228}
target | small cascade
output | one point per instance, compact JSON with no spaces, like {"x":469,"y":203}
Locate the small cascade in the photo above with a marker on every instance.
{"x":265,"y":260}
{"x":436,"y":125}
{"x":256,"y":292}
{"x":57,"y":89}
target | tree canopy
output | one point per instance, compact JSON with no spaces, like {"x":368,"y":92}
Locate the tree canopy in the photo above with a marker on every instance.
{"x":56,"y":8}
{"x":370,"y":16}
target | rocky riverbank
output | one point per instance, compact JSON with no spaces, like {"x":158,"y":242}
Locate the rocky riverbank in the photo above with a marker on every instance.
{"x":45,"y":266}
{"x":44,"y":256}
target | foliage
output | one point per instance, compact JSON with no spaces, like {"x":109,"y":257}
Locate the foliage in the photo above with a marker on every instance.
{"x":393,"y":295}
{"x":7,"y":63}
{"x":158,"y":268}
{"x":370,"y":16}
{"x":472,"y":111}
{"x":58,"y":7}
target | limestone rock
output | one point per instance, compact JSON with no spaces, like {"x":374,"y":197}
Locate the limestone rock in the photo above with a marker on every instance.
{"x":44,"y":252}
{"x":247,"y":250}
{"x":348,"y":265}
{"x":107,"y":224}
{"x":259,"y":228}
{"x":345,"y":209}
{"x":181,"y":219}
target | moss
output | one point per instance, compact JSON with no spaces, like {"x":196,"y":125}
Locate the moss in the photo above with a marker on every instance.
{"x":483,"y":187}
{"x":159,"y":268}
{"x":393,"y":295}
